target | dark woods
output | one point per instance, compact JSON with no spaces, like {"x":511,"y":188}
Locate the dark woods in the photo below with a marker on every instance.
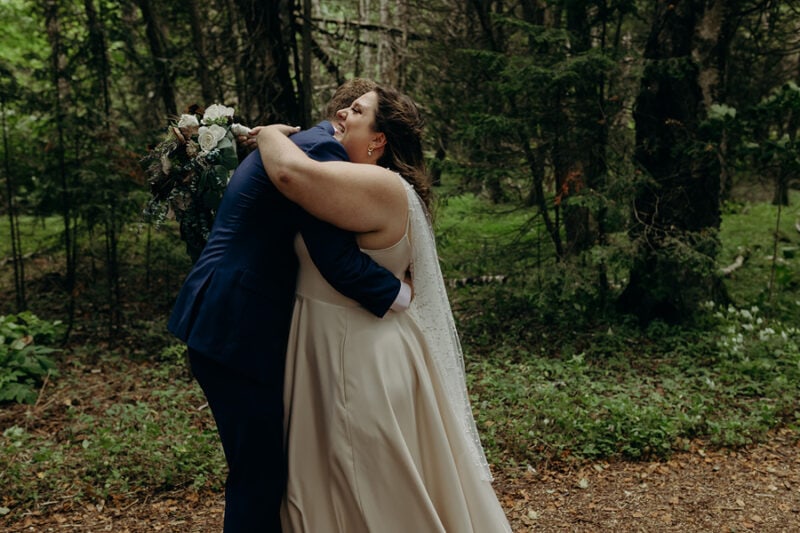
{"x":621,"y":127}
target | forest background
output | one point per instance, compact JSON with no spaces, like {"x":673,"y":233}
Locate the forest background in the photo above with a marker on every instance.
{"x":614,"y":179}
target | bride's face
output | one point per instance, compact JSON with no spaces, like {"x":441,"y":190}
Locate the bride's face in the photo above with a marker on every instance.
{"x":354,"y":127}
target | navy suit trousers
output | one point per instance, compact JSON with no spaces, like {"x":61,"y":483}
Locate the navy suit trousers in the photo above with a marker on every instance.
{"x":250,"y":423}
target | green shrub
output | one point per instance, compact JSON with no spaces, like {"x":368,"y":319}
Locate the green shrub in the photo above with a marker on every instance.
{"x":24,"y":355}
{"x":623,"y":392}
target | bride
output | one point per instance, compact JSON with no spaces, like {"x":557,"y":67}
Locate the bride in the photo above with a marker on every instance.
{"x":380,"y":435}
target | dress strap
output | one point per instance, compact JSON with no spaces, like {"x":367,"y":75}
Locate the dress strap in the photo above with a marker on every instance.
{"x":408,"y":188}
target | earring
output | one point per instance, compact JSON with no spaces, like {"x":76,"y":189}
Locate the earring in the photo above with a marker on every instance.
{"x":369,"y":151}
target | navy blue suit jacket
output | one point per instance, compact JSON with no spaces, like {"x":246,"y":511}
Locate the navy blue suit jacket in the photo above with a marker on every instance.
{"x":235,"y":305}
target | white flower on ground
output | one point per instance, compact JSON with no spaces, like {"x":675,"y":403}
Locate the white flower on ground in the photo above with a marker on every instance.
{"x":209,"y":136}
{"x":765,"y":334}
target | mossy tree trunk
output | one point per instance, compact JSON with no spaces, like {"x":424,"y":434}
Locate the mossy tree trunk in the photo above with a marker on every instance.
{"x":676,"y":209}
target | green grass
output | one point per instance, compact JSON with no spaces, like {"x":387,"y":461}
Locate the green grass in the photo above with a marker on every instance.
{"x":475,"y":238}
{"x":37,"y":234}
{"x":750,"y":229}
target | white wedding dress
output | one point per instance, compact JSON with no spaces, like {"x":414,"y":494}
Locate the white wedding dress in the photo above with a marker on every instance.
{"x":374,"y":441}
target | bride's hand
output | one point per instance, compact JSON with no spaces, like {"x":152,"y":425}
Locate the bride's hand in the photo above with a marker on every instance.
{"x":250,"y":140}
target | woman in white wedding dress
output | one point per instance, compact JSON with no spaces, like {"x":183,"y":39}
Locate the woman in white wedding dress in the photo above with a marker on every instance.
{"x":379,"y":432}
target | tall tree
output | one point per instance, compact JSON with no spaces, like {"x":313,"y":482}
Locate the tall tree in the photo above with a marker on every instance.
{"x":267,"y":61}
{"x":7,"y":89}
{"x":232,"y":48}
{"x":161,"y":57}
{"x":109,"y":200}
{"x":677,"y":207}
{"x":308,"y":83}
{"x":52,"y":17}
{"x":201,"y":49}
{"x":587,"y":123}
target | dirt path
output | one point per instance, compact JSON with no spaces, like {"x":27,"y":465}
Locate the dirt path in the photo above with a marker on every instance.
{"x":700,"y":491}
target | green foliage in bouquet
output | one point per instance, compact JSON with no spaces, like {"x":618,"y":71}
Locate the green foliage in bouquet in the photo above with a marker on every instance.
{"x":189,"y":169}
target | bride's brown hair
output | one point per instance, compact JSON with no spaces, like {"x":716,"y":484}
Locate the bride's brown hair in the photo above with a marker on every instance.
{"x":398,"y":117}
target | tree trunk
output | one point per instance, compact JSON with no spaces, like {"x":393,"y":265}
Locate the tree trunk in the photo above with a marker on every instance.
{"x":308,"y":83}
{"x":676,"y":208}
{"x":402,"y":54}
{"x":587,"y":133}
{"x":99,"y":64}
{"x":728,"y":28}
{"x":786,"y":171}
{"x":13,"y":218}
{"x":780,"y":194}
{"x":387,"y":72}
{"x":160,"y":54}
{"x":360,"y":59}
{"x":97,"y":44}
{"x":266,"y":58}
{"x":238,"y":59}
{"x":60,"y":89}
{"x":112,"y":264}
{"x":537,"y":197}
{"x":201,"y":49}
{"x":439,"y":158}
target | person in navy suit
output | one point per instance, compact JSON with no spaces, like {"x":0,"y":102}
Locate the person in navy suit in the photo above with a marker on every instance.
{"x":234,"y":312}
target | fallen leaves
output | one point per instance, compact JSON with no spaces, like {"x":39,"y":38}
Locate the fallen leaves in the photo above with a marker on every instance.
{"x":752,"y":489}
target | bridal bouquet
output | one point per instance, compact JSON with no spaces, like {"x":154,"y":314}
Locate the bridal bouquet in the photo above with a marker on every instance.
{"x":187,"y":171}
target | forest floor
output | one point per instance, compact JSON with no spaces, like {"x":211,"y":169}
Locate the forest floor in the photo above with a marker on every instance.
{"x":756,"y":489}
{"x":701,"y":490}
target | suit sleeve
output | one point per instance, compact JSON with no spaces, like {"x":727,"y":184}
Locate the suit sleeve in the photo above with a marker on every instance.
{"x":350,"y":271}
{"x":336,"y":254}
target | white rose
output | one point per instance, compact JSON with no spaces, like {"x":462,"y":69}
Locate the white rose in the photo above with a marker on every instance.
{"x":188,"y":121}
{"x":216,"y":112}
{"x":209,"y":136}
{"x":239,"y":129}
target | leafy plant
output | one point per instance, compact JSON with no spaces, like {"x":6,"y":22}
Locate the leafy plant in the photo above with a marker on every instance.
{"x":24,"y":355}
{"x":637,"y":394}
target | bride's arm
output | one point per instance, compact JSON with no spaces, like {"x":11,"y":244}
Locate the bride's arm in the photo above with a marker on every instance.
{"x":356,"y":197}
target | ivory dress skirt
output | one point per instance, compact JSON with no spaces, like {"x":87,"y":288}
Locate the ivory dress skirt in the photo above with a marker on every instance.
{"x":372,"y":444}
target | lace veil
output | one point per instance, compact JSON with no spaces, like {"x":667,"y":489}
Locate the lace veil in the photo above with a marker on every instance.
{"x":431,"y":309}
